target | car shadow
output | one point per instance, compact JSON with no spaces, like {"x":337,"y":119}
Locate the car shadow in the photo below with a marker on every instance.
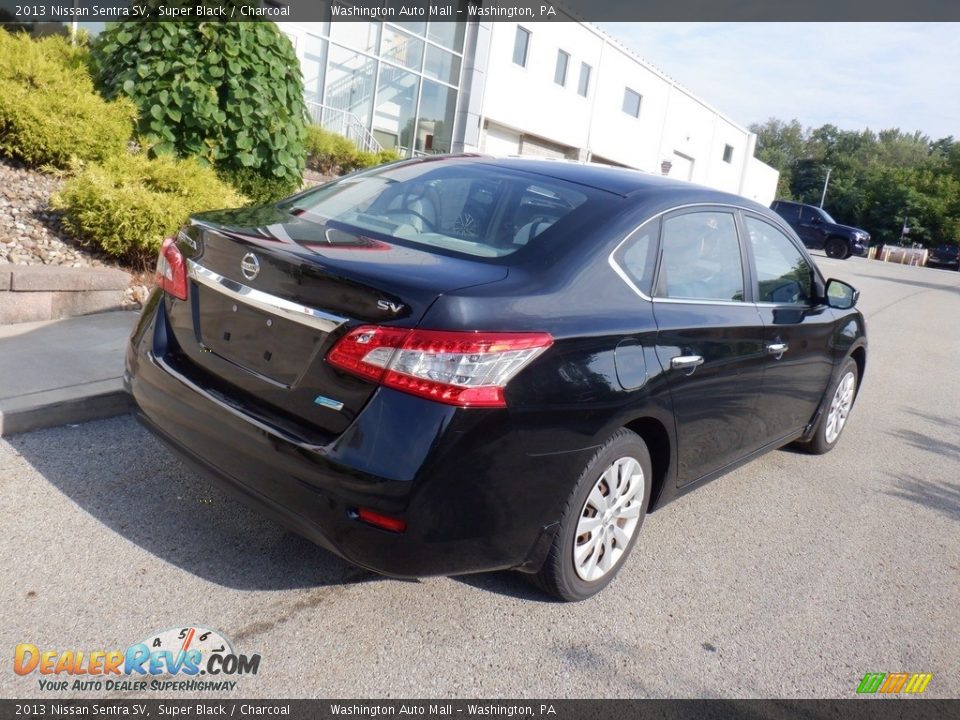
{"x":511,"y":584}
{"x":119,"y":474}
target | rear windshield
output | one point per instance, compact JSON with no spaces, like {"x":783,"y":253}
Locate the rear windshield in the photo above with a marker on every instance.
{"x":463,"y":207}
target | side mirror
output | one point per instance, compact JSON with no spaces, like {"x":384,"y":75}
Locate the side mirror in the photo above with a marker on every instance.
{"x":840,"y":295}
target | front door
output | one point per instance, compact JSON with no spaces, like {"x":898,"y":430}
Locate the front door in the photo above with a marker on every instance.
{"x":810,"y":228}
{"x":798,"y":331}
{"x":709,"y":340}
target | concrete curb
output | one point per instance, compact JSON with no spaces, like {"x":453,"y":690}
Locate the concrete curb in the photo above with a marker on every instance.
{"x":50,"y":408}
{"x":62,"y":371}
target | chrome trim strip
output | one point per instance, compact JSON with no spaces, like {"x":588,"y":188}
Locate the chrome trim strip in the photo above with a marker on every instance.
{"x":326,"y":322}
{"x":720,"y":206}
{"x":695,"y":301}
{"x":269,"y":429}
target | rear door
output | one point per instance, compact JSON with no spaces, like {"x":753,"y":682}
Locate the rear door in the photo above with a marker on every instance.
{"x":797,"y":334}
{"x":709,"y":340}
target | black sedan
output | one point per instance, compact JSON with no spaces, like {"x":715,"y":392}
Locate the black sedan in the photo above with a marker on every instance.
{"x":461,"y":364}
{"x":945,"y":256}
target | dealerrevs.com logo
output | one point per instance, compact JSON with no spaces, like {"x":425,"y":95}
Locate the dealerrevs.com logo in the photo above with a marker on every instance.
{"x":187,"y":659}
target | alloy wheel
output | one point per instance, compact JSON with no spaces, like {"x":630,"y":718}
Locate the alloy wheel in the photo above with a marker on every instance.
{"x":609,"y":519}
{"x":839,"y":408}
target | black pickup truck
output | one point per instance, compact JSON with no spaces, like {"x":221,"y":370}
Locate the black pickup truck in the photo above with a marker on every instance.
{"x":819,"y":231}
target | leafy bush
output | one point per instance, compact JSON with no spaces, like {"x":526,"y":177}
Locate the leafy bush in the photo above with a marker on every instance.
{"x":49,"y":110}
{"x":333,"y":154}
{"x":229,"y":93}
{"x":259,"y":188}
{"x":128,"y":204}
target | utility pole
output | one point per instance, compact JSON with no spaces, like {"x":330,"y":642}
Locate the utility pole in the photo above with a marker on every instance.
{"x":825,"y":183}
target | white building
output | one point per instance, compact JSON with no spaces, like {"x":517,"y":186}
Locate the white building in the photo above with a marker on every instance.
{"x":560,"y":89}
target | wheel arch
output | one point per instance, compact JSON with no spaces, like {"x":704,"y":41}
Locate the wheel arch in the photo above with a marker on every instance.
{"x":655,"y":435}
{"x":859,"y":355}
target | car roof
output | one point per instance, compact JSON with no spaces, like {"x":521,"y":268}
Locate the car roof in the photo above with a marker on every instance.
{"x":616,"y":180}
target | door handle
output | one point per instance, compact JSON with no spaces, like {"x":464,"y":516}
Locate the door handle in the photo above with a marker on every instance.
{"x":777,"y":349}
{"x":686,"y":362}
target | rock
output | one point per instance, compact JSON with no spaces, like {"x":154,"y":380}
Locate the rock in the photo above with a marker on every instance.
{"x":31,"y":232}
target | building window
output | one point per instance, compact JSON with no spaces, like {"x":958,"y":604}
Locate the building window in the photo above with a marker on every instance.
{"x":631,"y":102}
{"x":521,"y":45}
{"x":560,"y":73}
{"x":728,"y":153}
{"x":584,"y":87}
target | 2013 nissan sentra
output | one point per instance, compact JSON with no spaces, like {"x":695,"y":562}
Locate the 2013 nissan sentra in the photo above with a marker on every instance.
{"x":460,"y":364}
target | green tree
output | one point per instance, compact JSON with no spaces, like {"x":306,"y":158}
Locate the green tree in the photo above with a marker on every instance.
{"x":780,"y":145}
{"x":877,"y":179}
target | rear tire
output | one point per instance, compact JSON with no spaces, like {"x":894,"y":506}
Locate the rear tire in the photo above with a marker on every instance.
{"x":837,"y":249}
{"x":601,"y":520}
{"x":843,"y":392}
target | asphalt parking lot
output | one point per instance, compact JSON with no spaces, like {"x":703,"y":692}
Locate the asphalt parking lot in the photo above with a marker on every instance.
{"x":791,"y":577}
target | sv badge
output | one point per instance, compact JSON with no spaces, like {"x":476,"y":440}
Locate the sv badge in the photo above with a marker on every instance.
{"x":392,"y":307}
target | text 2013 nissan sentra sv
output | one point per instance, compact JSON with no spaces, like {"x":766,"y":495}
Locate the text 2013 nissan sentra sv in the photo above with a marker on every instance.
{"x":461,"y":364}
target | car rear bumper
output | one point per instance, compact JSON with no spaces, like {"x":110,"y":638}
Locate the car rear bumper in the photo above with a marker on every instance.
{"x":472,"y":498}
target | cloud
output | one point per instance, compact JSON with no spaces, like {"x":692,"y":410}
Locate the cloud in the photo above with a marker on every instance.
{"x":854,"y":75}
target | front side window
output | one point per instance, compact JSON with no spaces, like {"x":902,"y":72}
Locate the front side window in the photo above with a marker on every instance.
{"x":701,"y":257}
{"x":631,"y":102}
{"x":783,"y":274}
{"x":521,"y":45}
{"x":812,"y":215}
{"x":463,"y":208}
{"x":560,"y":73}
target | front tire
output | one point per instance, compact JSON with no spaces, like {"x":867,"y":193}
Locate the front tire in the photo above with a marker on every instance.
{"x":842,"y":394}
{"x":837,"y":249}
{"x":601,"y":520}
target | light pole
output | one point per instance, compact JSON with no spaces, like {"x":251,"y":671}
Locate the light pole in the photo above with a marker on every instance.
{"x":825,"y":183}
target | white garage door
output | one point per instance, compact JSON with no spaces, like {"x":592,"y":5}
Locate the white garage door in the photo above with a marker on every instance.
{"x":499,"y":141}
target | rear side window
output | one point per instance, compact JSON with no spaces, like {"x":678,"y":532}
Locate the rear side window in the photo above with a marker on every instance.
{"x":700,"y":257}
{"x":465,"y":208}
{"x":783,"y":274}
{"x":636,"y":256}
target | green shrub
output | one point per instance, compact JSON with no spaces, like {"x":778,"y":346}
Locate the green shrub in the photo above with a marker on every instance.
{"x":49,"y":110}
{"x":260,"y":189}
{"x":333,"y":154}
{"x":230,"y":93}
{"x":128,"y":204}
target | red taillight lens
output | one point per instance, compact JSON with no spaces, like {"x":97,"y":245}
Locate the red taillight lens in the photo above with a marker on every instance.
{"x":172,"y":270}
{"x":384,"y":522}
{"x":469,"y":369}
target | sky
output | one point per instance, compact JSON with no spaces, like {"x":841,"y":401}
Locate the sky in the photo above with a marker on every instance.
{"x":853,"y":75}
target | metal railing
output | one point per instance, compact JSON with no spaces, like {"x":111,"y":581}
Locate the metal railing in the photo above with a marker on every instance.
{"x":345,"y":123}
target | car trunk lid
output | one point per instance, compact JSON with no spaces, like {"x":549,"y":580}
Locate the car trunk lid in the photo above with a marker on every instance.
{"x":270,"y":293}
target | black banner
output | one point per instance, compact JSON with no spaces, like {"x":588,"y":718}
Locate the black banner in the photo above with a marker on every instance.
{"x":854,"y":709}
{"x":60,"y":11}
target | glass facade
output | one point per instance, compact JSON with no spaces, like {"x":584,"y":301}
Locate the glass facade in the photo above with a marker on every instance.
{"x":397,"y":82}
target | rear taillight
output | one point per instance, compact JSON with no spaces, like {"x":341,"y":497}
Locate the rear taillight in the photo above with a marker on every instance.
{"x":172,"y":270}
{"x":469,"y":369}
